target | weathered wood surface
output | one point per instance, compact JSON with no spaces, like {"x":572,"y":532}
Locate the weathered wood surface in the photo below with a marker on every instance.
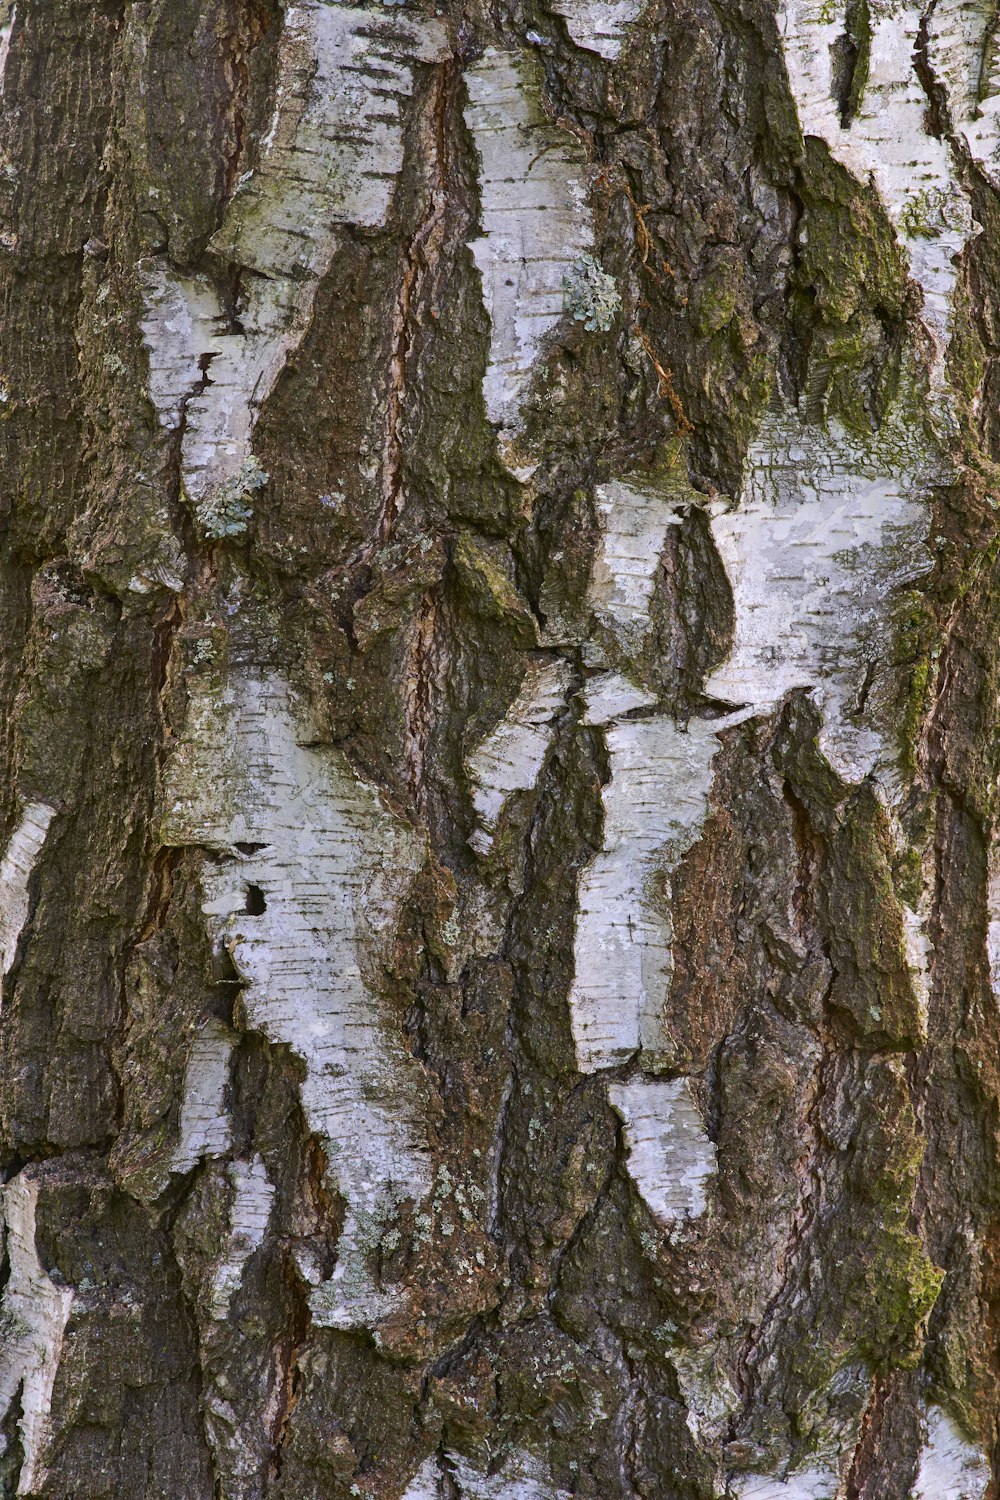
{"x":499,"y":685}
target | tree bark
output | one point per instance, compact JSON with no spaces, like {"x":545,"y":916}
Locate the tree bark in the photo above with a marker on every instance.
{"x":499,"y":672}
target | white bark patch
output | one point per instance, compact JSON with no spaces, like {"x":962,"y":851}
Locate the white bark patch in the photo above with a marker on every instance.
{"x":252,"y":1201}
{"x":330,"y":871}
{"x":962,"y":52}
{"x":807,"y":1484}
{"x":182,"y":322}
{"x":35,"y":1312}
{"x":887,"y":141}
{"x":331,"y":157}
{"x":825,"y":532}
{"x":634,"y":527}
{"x":611,"y":695}
{"x":8,"y":12}
{"x":654,"y":808}
{"x":534,"y":185}
{"x":511,"y":756}
{"x":993,"y":917}
{"x":654,"y":805}
{"x":598,"y":25}
{"x":951,"y":1468}
{"x":670,"y":1157}
{"x":917,"y":947}
{"x":19,"y":860}
{"x":205,"y":1128}
{"x":427,"y":1482}
{"x":335,"y":146}
{"x":522,"y":1477}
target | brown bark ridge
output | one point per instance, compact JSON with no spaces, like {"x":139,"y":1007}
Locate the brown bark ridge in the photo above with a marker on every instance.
{"x":499,"y":665}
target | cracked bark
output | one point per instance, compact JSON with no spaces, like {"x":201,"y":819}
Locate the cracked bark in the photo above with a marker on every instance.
{"x":499,"y":894}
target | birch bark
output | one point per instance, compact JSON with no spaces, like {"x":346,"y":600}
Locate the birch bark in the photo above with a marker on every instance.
{"x":499,"y":680}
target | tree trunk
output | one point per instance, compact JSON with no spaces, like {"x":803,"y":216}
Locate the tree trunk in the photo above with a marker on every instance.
{"x":500,"y":619}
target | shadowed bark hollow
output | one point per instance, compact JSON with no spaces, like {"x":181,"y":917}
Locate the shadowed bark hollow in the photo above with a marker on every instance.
{"x":499,"y":681}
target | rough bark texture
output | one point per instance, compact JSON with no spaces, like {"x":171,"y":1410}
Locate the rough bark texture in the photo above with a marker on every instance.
{"x":499,"y":666}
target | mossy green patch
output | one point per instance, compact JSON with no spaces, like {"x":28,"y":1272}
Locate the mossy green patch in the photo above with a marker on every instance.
{"x":849,"y":255}
{"x":717,"y":296}
{"x":899,"y":1287}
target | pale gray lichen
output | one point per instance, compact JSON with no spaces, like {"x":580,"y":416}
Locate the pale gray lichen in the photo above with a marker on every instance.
{"x":590,"y":294}
{"x":226,"y":509}
{"x":205,"y":651}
